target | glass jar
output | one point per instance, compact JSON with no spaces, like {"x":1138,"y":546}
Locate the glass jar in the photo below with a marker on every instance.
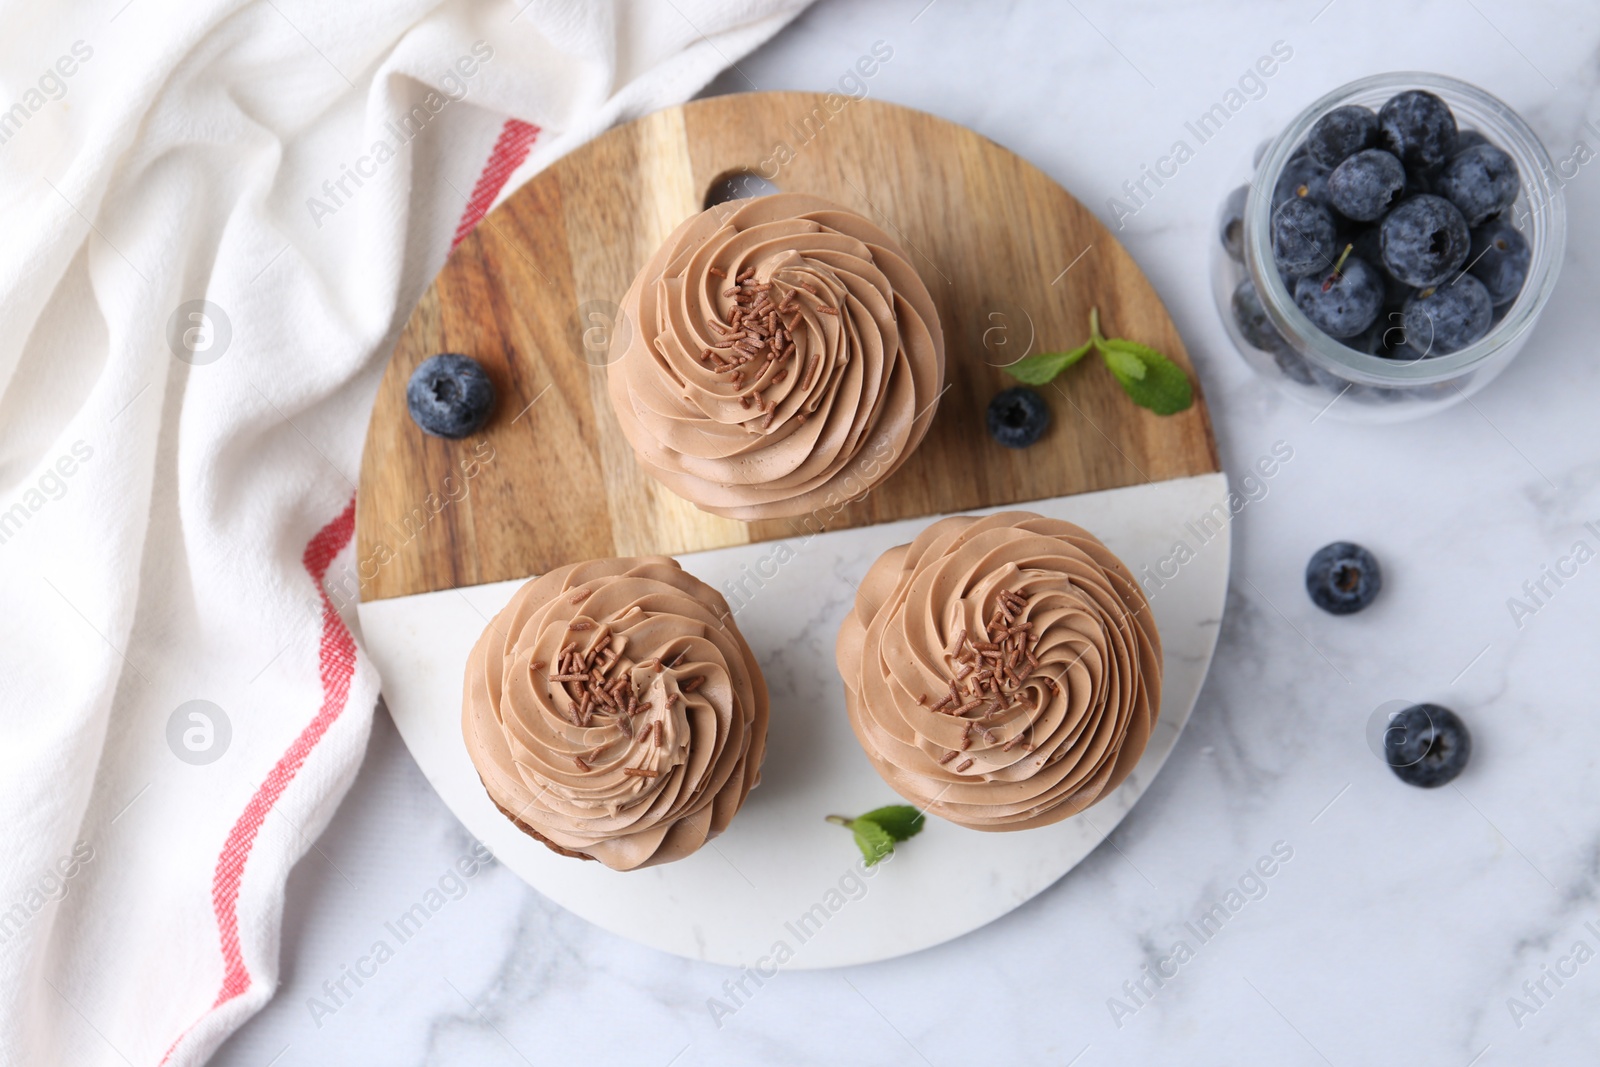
{"x":1280,"y":343}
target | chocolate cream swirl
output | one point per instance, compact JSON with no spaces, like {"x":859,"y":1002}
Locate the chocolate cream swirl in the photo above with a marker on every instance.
{"x":1002,"y":672}
{"x":776,"y":345}
{"x":613,"y":711}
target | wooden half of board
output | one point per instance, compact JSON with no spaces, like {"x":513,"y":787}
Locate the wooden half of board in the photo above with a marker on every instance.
{"x":1013,"y":261}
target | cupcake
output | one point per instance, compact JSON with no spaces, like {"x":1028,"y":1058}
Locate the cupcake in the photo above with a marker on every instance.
{"x":786,"y":357}
{"x":1001,"y":672}
{"x":614,"y":712}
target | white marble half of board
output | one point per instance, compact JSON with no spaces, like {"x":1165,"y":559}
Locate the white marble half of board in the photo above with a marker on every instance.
{"x":781,"y":873}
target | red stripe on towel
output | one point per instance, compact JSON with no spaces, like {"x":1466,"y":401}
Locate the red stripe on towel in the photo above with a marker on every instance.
{"x":516,"y":139}
{"x":336,"y":665}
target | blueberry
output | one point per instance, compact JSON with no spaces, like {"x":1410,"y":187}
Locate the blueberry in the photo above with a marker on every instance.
{"x":1419,"y":128}
{"x":1343,"y":578}
{"x":1298,"y":368}
{"x":1424,"y":241}
{"x":1294,"y":366}
{"x":1387,"y":331}
{"x":1345,"y":301}
{"x":1302,"y":178}
{"x":1480,"y":182}
{"x":1230,"y":224}
{"x":1449,"y":318}
{"x":1391,"y":332}
{"x":1385,"y":338}
{"x":1427,"y":745}
{"x":1499,"y":259}
{"x":1466,"y":139}
{"x":1369,"y":340}
{"x":1341,"y":133}
{"x":450,"y":395}
{"x":1366,"y":184}
{"x":1404,"y":352}
{"x":1330,"y":382}
{"x":1303,"y":238}
{"x":1252,"y":319}
{"x":1018,"y":417}
{"x":1367,"y":243}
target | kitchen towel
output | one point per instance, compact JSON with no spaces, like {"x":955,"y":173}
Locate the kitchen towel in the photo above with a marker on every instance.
{"x":217,"y":218}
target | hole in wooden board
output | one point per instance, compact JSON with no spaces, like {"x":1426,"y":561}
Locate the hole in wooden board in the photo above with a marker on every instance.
{"x":738,"y":185}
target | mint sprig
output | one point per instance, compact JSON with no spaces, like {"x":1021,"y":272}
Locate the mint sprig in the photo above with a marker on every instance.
{"x":879,"y":830}
{"x":1040,"y":369}
{"x":1151,"y":379}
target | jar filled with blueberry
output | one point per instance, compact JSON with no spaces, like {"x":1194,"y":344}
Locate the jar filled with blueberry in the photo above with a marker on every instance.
{"x":1392,"y":248}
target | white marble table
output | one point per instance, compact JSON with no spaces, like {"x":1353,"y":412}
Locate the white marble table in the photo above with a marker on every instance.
{"x":1404,"y":920}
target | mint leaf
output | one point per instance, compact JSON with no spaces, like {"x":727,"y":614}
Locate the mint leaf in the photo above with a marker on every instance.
{"x":874,"y":841}
{"x":899,"y":820}
{"x":1040,"y":369}
{"x":1150,"y":378}
{"x":1159,"y":384}
{"x":877,"y":831}
{"x":1123,"y":364}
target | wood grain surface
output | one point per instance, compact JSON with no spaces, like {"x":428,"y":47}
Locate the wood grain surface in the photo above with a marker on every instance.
{"x":1012,"y":260}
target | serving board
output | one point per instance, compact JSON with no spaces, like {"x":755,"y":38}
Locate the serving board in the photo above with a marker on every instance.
{"x":446,"y":530}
